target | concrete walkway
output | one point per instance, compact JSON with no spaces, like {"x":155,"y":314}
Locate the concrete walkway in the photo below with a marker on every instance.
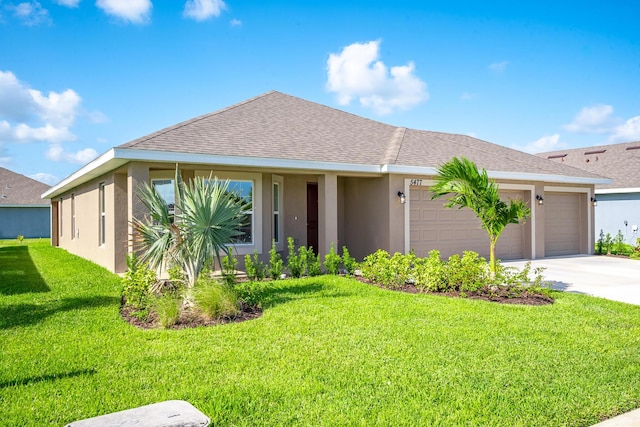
{"x":616,"y":279}
{"x":613,"y":278}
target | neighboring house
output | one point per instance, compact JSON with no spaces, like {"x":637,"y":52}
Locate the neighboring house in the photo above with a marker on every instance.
{"x":322,"y":176}
{"x":618,"y":203}
{"x":22,"y":211}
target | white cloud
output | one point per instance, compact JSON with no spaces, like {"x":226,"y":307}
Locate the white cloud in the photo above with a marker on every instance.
{"x":357,"y":72}
{"x":46,"y":178}
{"x":16,"y":102}
{"x":499,"y":67}
{"x":30,"y":13}
{"x":27,"y":115}
{"x":235,"y":23}
{"x":57,"y":154}
{"x":201,"y":10}
{"x":68,"y":3}
{"x":25,"y":133}
{"x":628,"y":131}
{"x":546,"y":143}
{"x":595,"y":119}
{"x":135,"y":11}
{"x":468,"y":96}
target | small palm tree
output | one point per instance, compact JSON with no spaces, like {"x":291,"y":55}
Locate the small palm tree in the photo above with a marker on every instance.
{"x":471,"y":188}
{"x":207,"y":217}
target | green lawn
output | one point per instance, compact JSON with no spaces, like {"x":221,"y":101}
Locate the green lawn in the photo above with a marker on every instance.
{"x":327,"y":351}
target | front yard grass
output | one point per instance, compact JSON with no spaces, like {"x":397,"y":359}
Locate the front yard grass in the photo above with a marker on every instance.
{"x":327,"y":351}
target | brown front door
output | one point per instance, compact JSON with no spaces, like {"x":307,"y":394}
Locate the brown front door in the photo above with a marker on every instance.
{"x":312,"y":215}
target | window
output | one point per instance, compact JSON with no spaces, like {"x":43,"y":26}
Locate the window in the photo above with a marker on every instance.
{"x":73,"y":216}
{"x":167,"y":191}
{"x":60,"y":219}
{"x":243,"y":191}
{"x":103,"y":223}
{"x":247,"y":187}
{"x":276,"y":212}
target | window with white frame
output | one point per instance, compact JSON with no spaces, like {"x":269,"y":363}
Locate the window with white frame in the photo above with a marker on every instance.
{"x":276,"y":212}
{"x":61,"y":218}
{"x":247,"y":187}
{"x":103,"y":214}
{"x":243,"y":193}
{"x":166,"y":189}
{"x":73,"y":216}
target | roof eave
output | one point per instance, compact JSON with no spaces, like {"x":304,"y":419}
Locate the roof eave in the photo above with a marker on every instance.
{"x":516,"y":176}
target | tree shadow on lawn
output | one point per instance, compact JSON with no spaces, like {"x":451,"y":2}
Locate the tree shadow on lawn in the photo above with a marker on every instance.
{"x":47,"y":377}
{"x":18,"y":315}
{"x":18,"y":273}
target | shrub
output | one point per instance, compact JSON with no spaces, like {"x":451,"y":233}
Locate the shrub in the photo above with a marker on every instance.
{"x":20,"y":238}
{"x":276,"y":265}
{"x":607,"y":243}
{"x":377,"y":267}
{"x":348,"y":261}
{"x":468,"y":273}
{"x":312,"y":262}
{"x":429,"y":273}
{"x":137,"y":283}
{"x":215,"y":300}
{"x":167,"y":307}
{"x":332,"y":261}
{"x":390,"y":272}
{"x":600,"y":243}
{"x":618,"y":244}
{"x":254,"y":267}
{"x":294,"y":261}
{"x":228,"y":270}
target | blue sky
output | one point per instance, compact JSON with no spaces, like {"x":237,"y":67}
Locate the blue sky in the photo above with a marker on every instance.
{"x":78,"y":77}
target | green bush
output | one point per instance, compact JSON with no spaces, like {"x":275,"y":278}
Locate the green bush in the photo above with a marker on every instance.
{"x":137,"y":283}
{"x":214,"y":300}
{"x":348,"y":261}
{"x":430,"y":274}
{"x":167,"y":307}
{"x":255,"y":268}
{"x":389,"y":271}
{"x":468,"y":273}
{"x":332,"y":261}
{"x":295,"y":263}
{"x":228,"y":269}
{"x":312,"y":262}
{"x":600,"y":243}
{"x":276,"y":265}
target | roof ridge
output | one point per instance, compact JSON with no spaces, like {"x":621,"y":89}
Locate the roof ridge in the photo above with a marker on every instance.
{"x":395,"y":144}
{"x":197,"y":119}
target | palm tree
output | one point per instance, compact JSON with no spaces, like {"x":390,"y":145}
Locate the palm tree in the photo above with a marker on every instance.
{"x":471,"y":188}
{"x":206,"y":219}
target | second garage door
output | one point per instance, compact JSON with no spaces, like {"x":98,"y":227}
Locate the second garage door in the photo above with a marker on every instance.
{"x":432,"y":226}
{"x":562,"y":224}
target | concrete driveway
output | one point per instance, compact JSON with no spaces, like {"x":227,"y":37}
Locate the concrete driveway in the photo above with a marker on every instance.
{"x":616,"y":279}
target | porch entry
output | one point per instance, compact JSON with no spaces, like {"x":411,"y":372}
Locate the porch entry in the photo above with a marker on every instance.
{"x":312,"y":215}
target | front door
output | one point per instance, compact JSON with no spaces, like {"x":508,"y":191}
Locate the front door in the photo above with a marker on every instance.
{"x":312,"y":215}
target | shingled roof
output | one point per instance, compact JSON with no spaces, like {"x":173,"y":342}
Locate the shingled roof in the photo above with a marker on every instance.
{"x":279,"y":131}
{"x":17,"y":190}
{"x":621,"y":162}
{"x":279,"y":126}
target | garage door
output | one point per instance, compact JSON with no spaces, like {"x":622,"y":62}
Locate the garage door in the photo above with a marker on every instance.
{"x":562,"y":224}
{"x":432,"y":226}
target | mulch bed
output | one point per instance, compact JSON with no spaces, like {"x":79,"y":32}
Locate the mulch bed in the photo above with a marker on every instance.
{"x":499,"y":294}
{"x":188,"y":319}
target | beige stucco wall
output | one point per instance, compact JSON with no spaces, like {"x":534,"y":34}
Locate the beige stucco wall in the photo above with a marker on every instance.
{"x":362,"y":213}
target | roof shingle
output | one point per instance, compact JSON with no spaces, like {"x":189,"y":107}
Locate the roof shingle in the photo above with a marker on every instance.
{"x":279,"y":126}
{"x":621,"y":162}
{"x":16,"y":189}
